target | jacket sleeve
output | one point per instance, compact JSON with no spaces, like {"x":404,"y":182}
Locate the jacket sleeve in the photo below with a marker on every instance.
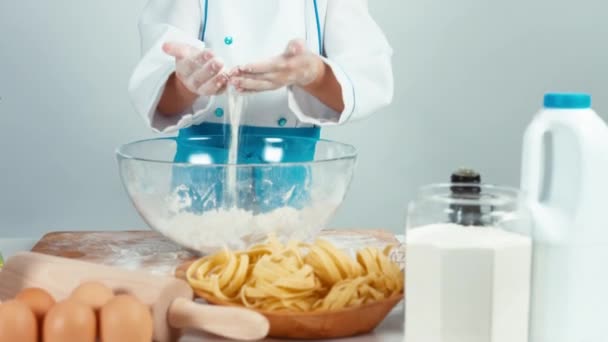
{"x":359,"y":55}
{"x":162,"y":21}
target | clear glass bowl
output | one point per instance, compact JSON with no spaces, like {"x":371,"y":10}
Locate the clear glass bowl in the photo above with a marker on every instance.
{"x":289,"y":187}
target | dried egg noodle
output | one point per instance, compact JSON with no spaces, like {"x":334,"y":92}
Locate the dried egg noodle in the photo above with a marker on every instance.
{"x":274,"y":276}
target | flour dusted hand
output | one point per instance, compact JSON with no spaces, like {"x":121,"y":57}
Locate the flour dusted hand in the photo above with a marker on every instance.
{"x":296,"y":66}
{"x":200,"y":71}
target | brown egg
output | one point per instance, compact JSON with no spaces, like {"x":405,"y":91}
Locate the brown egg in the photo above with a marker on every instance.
{"x":93,"y":294}
{"x":17,"y":323}
{"x":68,"y":321}
{"x":39,"y":301}
{"x":125,"y":319}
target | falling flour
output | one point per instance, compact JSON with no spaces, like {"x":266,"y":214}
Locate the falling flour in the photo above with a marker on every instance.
{"x":235,"y":108}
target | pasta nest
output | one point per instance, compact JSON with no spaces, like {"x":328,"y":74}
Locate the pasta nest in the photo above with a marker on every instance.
{"x":297,"y":276}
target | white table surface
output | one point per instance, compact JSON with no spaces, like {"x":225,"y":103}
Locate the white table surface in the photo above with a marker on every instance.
{"x":391,"y":329}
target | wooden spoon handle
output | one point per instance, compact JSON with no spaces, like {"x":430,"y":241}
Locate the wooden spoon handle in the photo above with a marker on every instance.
{"x":230,"y":322}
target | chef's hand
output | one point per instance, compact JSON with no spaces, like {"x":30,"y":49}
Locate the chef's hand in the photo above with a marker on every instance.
{"x":296,"y":66}
{"x":198,"y":70}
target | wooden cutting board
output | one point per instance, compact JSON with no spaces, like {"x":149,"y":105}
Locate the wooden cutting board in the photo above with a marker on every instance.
{"x":151,"y":252}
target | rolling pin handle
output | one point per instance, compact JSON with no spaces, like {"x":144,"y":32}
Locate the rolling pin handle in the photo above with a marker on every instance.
{"x":230,"y":322}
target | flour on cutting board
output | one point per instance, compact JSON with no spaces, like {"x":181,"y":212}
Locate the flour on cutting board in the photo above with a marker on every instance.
{"x":128,"y":250}
{"x":151,"y":252}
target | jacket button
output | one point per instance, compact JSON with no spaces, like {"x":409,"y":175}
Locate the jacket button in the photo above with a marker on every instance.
{"x":282,"y":122}
{"x":228,"y":40}
{"x":219,"y":112}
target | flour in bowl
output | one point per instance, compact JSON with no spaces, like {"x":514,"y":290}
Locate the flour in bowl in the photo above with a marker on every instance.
{"x":237,"y":228}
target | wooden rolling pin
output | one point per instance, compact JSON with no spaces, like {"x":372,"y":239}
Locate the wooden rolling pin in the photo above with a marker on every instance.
{"x":170,"y":299}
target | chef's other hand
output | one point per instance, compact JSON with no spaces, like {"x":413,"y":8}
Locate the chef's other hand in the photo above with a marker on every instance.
{"x":296,"y":66}
{"x":200,"y":71}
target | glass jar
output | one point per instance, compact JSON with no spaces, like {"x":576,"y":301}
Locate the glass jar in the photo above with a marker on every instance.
{"x":468,"y":260}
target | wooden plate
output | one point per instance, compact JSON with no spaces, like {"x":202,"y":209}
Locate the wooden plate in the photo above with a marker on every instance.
{"x":324,"y":325}
{"x":317,"y":325}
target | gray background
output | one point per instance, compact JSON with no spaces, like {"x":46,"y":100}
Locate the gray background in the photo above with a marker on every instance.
{"x":469,"y":76}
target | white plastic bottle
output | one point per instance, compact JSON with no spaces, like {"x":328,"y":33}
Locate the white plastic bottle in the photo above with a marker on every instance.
{"x":565,"y":176}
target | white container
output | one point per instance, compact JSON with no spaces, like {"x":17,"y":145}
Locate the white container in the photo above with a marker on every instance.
{"x":467,"y":282}
{"x":565,"y":176}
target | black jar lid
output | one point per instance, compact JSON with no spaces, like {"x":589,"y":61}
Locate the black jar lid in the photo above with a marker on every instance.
{"x":465,"y":176}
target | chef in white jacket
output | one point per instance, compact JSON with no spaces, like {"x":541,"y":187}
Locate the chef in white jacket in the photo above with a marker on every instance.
{"x":303,"y":64}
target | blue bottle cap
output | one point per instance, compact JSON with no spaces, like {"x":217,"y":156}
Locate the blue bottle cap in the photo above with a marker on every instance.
{"x":567,"y":101}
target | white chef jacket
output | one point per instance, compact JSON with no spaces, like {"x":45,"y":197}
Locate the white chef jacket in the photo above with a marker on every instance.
{"x":245,"y":31}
